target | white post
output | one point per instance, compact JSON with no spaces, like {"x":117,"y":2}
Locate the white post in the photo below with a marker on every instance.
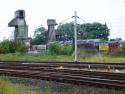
{"x":75,"y":34}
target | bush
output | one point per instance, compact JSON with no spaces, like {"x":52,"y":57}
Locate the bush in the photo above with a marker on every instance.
{"x":12,"y":47}
{"x":59,"y":49}
{"x":54,"y":48}
{"x":68,"y":49}
{"x":1,"y":50}
{"x":21,"y":47}
{"x":86,"y":52}
{"x":118,"y":52}
{"x":104,"y":53}
{"x":7,"y":47}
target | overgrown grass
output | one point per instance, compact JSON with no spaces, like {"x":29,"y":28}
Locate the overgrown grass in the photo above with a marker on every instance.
{"x":34,"y":57}
{"x":103,"y":59}
{"x":8,"y":88}
{"x":46,"y":57}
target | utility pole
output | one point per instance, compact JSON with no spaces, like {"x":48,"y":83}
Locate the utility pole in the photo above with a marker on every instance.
{"x":75,"y":34}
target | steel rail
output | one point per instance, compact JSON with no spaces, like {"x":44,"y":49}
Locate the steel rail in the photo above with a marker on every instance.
{"x":69,"y":73}
{"x":78,"y":71}
{"x":51,"y":68}
{"x":68,"y":64}
{"x":70,"y":78}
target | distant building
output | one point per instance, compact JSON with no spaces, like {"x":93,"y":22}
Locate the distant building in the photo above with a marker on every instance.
{"x":51,"y":30}
{"x":54,"y":34}
{"x":21,"y":28}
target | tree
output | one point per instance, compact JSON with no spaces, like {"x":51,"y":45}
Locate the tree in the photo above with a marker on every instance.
{"x":67,"y":29}
{"x":94,"y":31}
{"x":116,"y":39}
{"x":86,"y":31}
{"x":39,"y":36}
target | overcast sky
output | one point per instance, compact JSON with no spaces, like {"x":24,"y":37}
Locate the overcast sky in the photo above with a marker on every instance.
{"x":111,"y":12}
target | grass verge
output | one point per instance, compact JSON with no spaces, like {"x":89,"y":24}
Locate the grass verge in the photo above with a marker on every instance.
{"x":58,"y":58}
{"x":8,"y":88}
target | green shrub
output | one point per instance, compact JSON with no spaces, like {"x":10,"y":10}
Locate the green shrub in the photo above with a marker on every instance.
{"x":86,"y":52}
{"x":118,"y":52}
{"x":68,"y":49}
{"x":59,"y":49}
{"x":12,"y":47}
{"x":7,"y":47}
{"x":21,"y":47}
{"x":104,"y":53}
{"x":1,"y":50}
{"x":54,"y":48}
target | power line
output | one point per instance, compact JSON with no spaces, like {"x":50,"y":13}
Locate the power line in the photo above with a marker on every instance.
{"x":81,"y":19}
{"x":71,"y":18}
{"x":64,"y":20}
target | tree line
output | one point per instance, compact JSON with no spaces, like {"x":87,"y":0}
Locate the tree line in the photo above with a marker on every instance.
{"x":84,"y":31}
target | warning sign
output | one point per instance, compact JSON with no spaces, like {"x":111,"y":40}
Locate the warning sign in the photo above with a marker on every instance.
{"x":103,"y":47}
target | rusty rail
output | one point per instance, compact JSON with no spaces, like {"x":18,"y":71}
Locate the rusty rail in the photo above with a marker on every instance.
{"x":67,"y":73}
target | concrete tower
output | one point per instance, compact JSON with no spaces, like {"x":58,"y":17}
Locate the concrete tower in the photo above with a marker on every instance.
{"x":51,"y":30}
{"x":21,"y":28}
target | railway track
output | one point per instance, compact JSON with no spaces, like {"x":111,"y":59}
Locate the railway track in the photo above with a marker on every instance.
{"x":92,"y":65}
{"x":79,"y":73}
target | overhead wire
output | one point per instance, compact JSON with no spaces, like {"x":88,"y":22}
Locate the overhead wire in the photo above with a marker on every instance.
{"x":81,"y":19}
{"x":64,"y":20}
{"x":61,"y":22}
